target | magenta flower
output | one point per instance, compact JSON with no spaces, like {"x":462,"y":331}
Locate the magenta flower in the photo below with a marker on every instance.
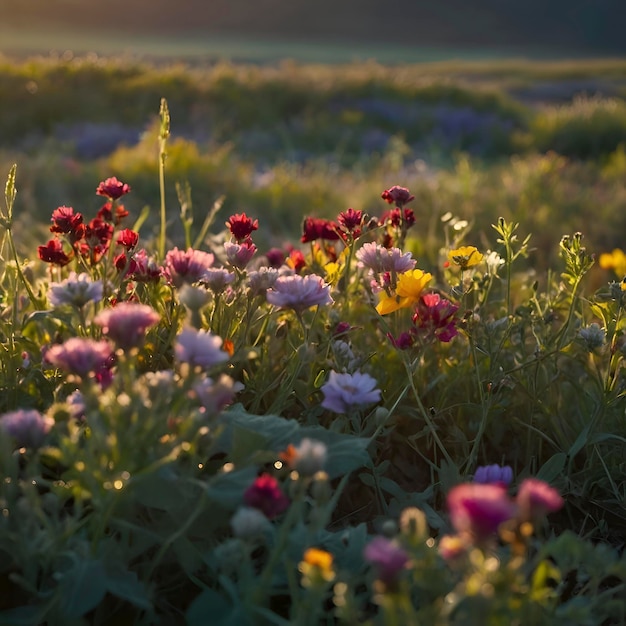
{"x":186,"y":266}
{"x":79,"y":355}
{"x":435,"y":315}
{"x":486,"y":474}
{"x":112,"y":188}
{"x":299,"y":292}
{"x":397,"y":195}
{"x":535,"y":499}
{"x":199,"y":347}
{"x":388,"y":558}
{"x":27,"y":427}
{"x":351,"y":221}
{"x":478,"y":510}
{"x":239,"y":254}
{"x":127,"y":322}
{"x":380,"y":259}
{"x":266,"y":495}
{"x":343,"y":392}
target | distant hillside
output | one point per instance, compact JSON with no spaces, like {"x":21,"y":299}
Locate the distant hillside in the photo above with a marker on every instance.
{"x":584,"y":26}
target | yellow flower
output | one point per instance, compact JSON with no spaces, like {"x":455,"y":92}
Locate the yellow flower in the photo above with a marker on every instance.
{"x":316,"y":567}
{"x":465,"y":256}
{"x":615,"y":260}
{"x":408,"y":291}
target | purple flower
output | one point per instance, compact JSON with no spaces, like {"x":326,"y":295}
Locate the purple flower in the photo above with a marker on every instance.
{"x":434,"y":314}
{"x":343,"y":392}
{"x":266,"y":495}
{"x":387,"y":557}
{"x":486,"y":474}
{"x":216,"y":395}
{"x":199,"y":347}
{"x":27,"y":427}
{"x":299,"y":292}
{"x":186,"y":266}
{"x":239,"y":254}
{"x":478,"y":510}
{"x":380,"y":259}
{"x":79,"y":355}
{"x":535,"y":499}
{"x":216,"y":278}
{"x":261,"y":280}
{"x":127,"y":322}
{"x":76,"y":290}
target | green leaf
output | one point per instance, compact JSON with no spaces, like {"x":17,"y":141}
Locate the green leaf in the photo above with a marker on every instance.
{"x":21,"y":616}
{"x":552,"y":467}
{"x":82,"y":588}
{"x":227,"y":489}
{"x":125,"y":585}
{"x":211,"y":607}
{"x":245,"y":444}
{"x":580,"y":442}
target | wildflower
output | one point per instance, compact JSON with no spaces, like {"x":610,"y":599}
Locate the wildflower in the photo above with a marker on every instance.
{"x":217,"y":395}
{"x":379,"y":259}
{"x":615,"y":261}
{"x":403,"y":341}
{"x":434,"y":314}
{"x":199,"y":347}
{"x":109,"y":213}
{"x":486,"y":474}
{"x":266,"y":495}
{"x":397,"y":195}
{"x":127,"y":323}
{"x":316,"y":567}
{"x":79,"y":355}
{"x":98,"y":235}
{"x":451,"y":547}
{"x":351,"y":222}
{"x":413,"y":524}
{"x":248,"y":523}
{"x":186,"y":266}
{"x":296,"y":260}
{"x":241,"y":226}
{"x":316,"y":228}
{"x":308,"y":458}
{"x":261,"y":280}
{"x":66,"y":221}
{"x":239,"y":254}
{"x":535,"y":498}
{"x":397,"y":217}
{"x":493,"y":261}
{"x":342,"y":328}
{"x":343,"y":392}
{"x":594,"y":336}
{"x":53,"y":252}
{"x":216,"y":279}
{"x":140,"y":267}
{"x":408,"y":290}
{"x":465,"y":257}
{"x":76,"y":290}
{"x":478,"y":510}
{"x":299,"y":292}
{"x":76,"y":405}
{"x":128,"y":238}
{"x":275,"y":257}
{"x":112,"y":188}
{"x":194,"y":298}
{"x":27,"y":427}
{"x":388,"y":558}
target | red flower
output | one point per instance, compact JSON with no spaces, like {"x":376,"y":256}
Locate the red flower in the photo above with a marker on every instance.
{"x":316,"y":228}
{"x":436,"y":315}
{"x":266,"y":495}
{"x":106,"y":213}
{"x":241,"y":226}
{"x":112,"y":188}
{"x":52,"y":252}
{"x":65,"y":220}
{"x":296,"y":261}
{"x":351,"y":220}
{"x":395,"y":217}
{"x":128,"y":238}
{"x":397,"y":195}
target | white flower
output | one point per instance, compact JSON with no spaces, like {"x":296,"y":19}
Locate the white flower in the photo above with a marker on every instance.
{"x":76,"y":289}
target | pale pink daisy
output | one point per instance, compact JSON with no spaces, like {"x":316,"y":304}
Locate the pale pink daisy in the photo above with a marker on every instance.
{"x":299,"y":292}
{"x":79,"y":355}
{"x":199,"y":347}
{"x":186,"y":266}
{"x":127,"y":322}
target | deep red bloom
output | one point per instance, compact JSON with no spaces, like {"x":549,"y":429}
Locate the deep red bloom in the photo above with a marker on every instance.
{"x":266,"y":495}
{"x":53,"y":252}
{"x":65,"y":220}
{"x":316,"y":228}
{"x":342,"y":328}
{"x":128,"y":238}
{"x":403,"y":342}
{"x":435,"y":314}
{"x":351,"y":220}
{"x":397,"y":195}
{"x":296,"y":260}
{"x":106,"y":213}
{"x":241,"y":226}
{"x":140,"y":267}
{"x":395,"y":216}
{"x":275,"y":257}
{"x":112,"y":188}
{"x":98,"y":235}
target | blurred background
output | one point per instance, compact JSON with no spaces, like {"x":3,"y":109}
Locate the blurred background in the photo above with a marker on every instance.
{"x":389,"y":30}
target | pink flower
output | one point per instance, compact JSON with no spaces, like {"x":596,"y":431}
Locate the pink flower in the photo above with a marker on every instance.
{"x":27,"y":427}
{"x":299,"y":292}
{"x":216,"y":279}
{"x":199,"y":347}
{"x":186,"y":266}
{"x":388,"y":558}
{"x":478,"y":510}
{"x":535,"y":499}
{"x":266,"y":495}
{"x":112,"y":188}
{"x":79,"y":355}
{"x":140,"y":267}
{"x":379,"y":259}
{"x":215,"y":395}
{"x":397,"y":195}
{"x":435,"y":315}
{"x":239,"y":254}
{"x":343,"y":392}
{"x":241,"y":226}
{"x":127,"y":322}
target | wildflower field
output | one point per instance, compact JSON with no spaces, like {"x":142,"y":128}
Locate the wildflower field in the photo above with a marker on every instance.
{"x":347,"y":348}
